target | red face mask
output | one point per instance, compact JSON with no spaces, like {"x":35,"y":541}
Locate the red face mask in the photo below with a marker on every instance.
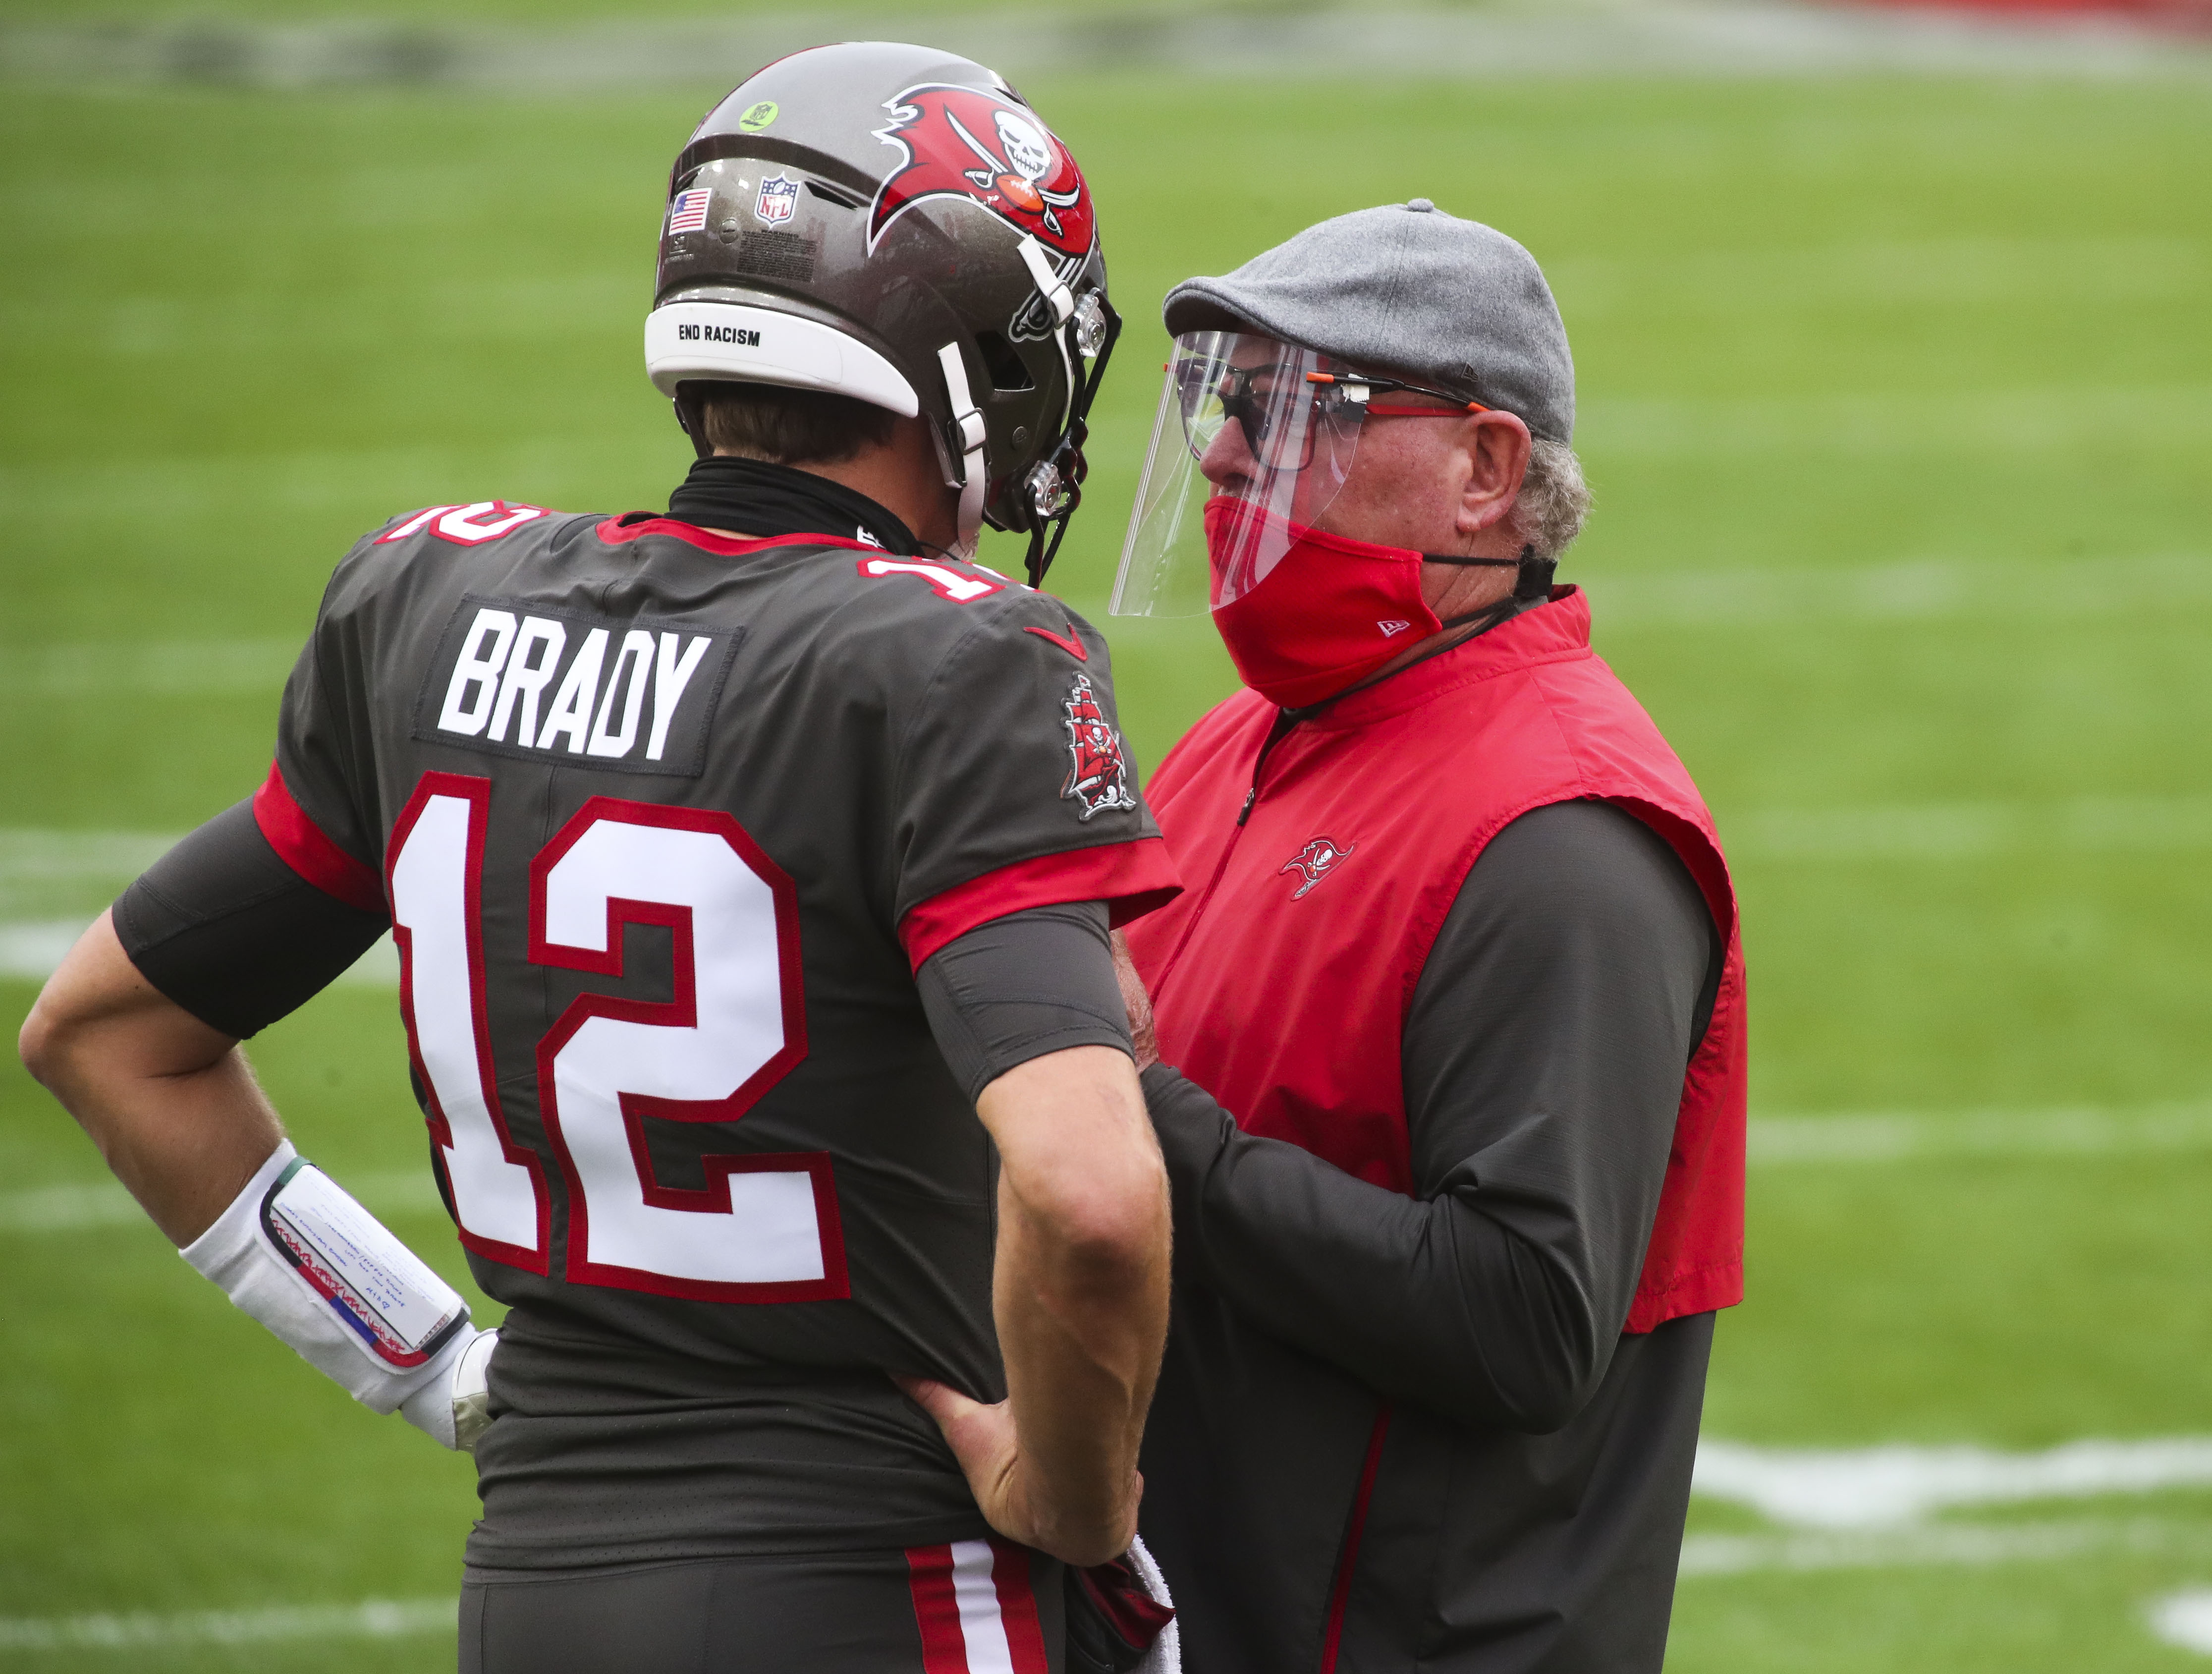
{"x":1331,"y":612}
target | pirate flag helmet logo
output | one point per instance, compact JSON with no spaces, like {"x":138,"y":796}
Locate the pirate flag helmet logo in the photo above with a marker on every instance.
{"x":1097,"y":771}
{"x":963,"y":142}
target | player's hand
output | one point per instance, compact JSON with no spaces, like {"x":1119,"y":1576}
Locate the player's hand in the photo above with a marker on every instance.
{"x":1137,"y":1003}
{"x":453,"y":1408}
{"x":982,"y":1438}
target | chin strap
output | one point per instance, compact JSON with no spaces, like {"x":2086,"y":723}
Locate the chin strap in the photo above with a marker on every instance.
{"x":1065,"y":467}
{"x":967,"y":428}
{"x":693,"y":419}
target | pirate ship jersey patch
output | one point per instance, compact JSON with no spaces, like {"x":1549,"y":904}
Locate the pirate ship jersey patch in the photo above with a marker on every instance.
{"x":1097,"y":770}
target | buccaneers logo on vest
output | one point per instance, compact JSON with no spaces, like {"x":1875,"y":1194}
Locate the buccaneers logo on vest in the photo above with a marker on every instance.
{"x":961,"y":142}
{"x":1313,"y":861}
{"x":1097,"y":771}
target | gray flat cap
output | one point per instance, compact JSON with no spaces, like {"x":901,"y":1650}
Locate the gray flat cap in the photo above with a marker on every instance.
{"x":1410,"y":290}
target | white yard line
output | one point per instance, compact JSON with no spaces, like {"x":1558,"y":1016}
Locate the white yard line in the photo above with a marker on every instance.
{"x":1891,"y":1137}
{"x":31,"y":855}
{"x":31,"y":950}
{"x":99,"y":1204}
{"x":372,"y":1618}
{"x":1893,"y":1486}
{"x":2184,"y":1619}
{"x":1939,"y":1546}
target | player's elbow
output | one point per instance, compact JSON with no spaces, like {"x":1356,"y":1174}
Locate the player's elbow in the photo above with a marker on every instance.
{"x":53,"y":1037}
{"x":36,"y":1045}
{"x":1108,"y":1225}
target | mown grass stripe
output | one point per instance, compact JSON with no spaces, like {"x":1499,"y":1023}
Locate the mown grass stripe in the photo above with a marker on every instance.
{"x":1906,"y":590}
{"x":182,"y":668}
{"x":1558,"y":40}
{"x":1971,"y":830}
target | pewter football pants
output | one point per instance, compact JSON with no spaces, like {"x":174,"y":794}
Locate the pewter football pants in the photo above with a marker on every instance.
{"x":965,"y":1608}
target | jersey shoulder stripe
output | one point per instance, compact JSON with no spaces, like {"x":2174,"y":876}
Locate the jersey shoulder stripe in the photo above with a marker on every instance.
{"x":1132,"y":876}
{"x":302,"y":845}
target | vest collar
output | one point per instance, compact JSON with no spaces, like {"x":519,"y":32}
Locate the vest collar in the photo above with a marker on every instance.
{"x":1552,"y":632}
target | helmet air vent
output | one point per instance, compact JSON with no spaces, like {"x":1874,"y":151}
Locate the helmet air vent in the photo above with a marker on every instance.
{"x":1007,"y":369}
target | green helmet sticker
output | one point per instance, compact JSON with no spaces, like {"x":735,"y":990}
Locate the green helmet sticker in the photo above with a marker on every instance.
{"x":759,"y":115}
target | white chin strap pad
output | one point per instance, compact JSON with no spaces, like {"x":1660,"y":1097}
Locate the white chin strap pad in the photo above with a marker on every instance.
{"x":324,"y":1275}
{"x":967,"y":420}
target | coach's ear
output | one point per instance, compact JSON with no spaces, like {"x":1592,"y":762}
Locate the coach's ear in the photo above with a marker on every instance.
{"x":1495,"y":447}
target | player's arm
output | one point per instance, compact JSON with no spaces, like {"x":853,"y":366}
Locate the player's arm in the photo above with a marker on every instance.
{"x":1027,"y":1009}
{"x":136,"y":1034}
{"x":170,"y":1101}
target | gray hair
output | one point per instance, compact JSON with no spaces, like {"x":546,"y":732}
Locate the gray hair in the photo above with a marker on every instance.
{"x":1554,"y":500}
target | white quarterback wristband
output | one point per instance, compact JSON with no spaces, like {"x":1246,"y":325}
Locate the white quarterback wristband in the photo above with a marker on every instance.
{"x":323,"y":1273}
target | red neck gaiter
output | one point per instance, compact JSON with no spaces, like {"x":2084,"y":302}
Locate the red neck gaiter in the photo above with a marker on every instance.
{"x":1331,"y":612}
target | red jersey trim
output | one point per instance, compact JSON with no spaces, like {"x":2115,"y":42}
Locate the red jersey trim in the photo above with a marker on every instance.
{"x":301,"y":845}
{"x":1131,"y":878}
{"x":615,"y":533}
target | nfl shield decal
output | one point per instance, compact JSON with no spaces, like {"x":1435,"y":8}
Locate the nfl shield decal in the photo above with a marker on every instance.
{"x":1097,"y":771}
{"x":779,"y":196}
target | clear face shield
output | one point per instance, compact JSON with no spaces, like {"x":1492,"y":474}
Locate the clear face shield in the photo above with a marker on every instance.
{"x":1253,"y":440}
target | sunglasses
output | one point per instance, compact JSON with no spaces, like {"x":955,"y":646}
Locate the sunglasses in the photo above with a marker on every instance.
{"x":1264,"y":399}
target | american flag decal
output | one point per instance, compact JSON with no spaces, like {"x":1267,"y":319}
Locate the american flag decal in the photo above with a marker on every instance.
{"x":688,"y":213}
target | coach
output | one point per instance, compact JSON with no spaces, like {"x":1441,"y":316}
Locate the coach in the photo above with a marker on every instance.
{"x":1449,"y":1022}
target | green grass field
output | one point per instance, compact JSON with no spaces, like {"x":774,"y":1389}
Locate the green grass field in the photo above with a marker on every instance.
{"x":1897,"y":396}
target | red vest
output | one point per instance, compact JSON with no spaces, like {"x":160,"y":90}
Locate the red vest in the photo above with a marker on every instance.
{"x":1283,"y":974}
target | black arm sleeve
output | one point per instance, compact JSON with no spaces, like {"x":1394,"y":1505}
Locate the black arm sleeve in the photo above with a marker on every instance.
{"x":226,"y":929}
{"x":1022,"y":986}
{"x":1543,"y":1063}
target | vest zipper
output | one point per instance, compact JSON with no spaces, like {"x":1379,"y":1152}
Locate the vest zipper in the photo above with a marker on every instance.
{"x":1284,"y":722}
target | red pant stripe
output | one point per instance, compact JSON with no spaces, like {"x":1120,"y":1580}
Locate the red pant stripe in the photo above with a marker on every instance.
{"x":1018,"y":1611}
{"x":936,"y":1611}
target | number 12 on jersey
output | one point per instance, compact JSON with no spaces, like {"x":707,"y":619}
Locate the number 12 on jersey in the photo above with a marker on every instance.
{"x":764,"y":1226}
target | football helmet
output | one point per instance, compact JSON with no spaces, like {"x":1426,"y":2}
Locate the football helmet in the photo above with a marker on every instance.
{"x":897,"y":225}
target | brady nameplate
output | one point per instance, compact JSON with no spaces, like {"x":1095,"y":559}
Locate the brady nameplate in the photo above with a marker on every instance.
{"x":517,"y":678}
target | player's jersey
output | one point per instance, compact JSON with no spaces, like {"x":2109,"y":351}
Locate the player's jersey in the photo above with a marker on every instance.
{"x":664,"y":821}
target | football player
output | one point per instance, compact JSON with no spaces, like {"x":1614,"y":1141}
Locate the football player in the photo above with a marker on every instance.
{"x":739,"y":859}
